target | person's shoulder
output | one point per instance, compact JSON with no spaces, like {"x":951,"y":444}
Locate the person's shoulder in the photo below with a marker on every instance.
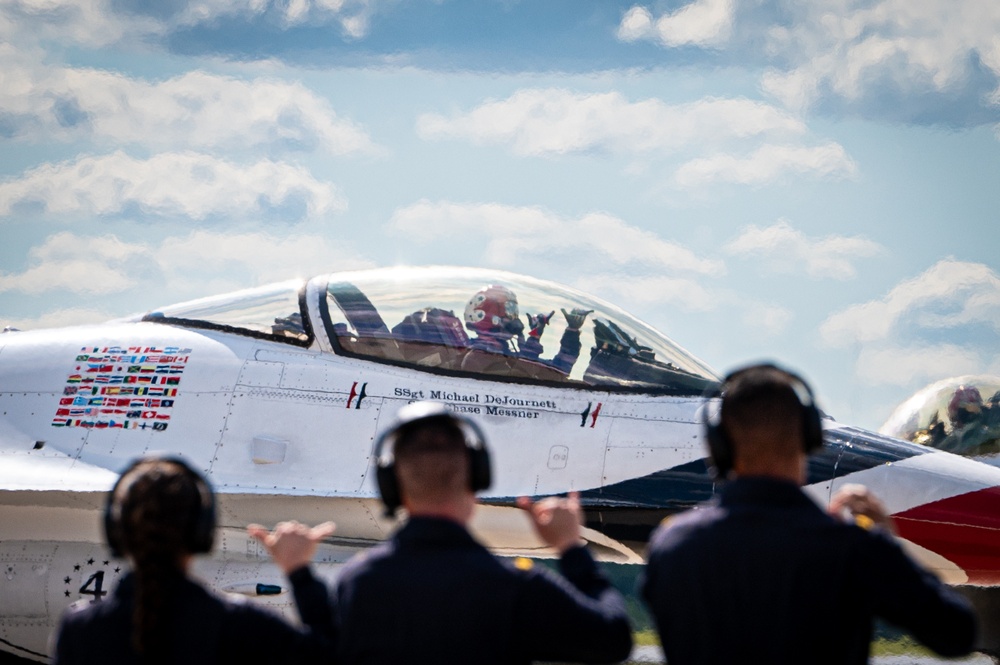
{"x":83,"y":617}
{"x":82,"y":611}
{"x":367,"y":561}
{"x":685,"y":524}
{"x":517,"y":567}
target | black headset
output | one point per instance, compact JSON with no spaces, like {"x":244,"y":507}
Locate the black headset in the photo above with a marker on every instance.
{"x":412,"y":416}
{"x":199,"y":540}
{"x":720,"y":446}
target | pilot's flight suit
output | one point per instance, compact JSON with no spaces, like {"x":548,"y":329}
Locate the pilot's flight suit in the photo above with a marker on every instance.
{"x":204,"y":629}
{"x":432,"y":594}
{"x":763,"y":575}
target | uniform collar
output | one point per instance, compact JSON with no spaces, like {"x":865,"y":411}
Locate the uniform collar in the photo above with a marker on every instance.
{"x":426,"y":530}
{"x":759,"y":490}
{"x":178,"y":583}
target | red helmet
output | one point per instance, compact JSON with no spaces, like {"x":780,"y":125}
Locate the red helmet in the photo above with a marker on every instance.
{"x":491,"y":309}
{"x":964,"y":403}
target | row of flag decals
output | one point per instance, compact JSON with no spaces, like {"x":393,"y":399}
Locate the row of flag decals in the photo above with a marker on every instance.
{"x":116,"y":387}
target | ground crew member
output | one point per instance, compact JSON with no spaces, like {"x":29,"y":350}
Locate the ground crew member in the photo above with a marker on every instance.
{"x":762,"y":574}
{"x":160,"y":513}
{"x":433,"y":594}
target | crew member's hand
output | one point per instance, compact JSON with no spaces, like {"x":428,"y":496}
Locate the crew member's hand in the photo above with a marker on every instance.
{"x":575,"y":318}
{"x":291,"y":544}
{"x":855,"y":502}
{"x":557,"y":521}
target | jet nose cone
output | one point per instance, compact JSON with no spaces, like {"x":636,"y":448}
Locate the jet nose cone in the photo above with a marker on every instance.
{"x":964,"y":529}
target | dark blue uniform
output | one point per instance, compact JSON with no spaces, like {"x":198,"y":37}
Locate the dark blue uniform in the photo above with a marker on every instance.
{"x":205,"y":629}
{"x":764,"y":576}
{"x":432,"y":594}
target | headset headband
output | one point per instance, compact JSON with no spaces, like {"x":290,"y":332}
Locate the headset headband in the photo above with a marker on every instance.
{"x":720,"y":445}
{"x":202,"y":535}
{"x":408,"y":418}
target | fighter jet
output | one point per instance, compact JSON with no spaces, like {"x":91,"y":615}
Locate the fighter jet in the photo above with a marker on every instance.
{"x":279,"y":394}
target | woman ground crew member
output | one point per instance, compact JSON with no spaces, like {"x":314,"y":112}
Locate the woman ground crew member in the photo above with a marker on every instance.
{"x":160,"y":513}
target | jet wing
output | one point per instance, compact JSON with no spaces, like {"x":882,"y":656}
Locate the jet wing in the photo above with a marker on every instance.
{"x":52,"y":472}
{"x":50,"y":497}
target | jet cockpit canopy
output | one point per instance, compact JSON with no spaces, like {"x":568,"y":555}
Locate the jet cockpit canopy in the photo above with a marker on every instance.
{"x":439,"y":319}
{"x":461,"y":321}
{"x":959,"y":415}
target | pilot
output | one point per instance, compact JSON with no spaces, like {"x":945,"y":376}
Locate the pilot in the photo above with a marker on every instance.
{"x":965,"y":407}
{"x":433,"y":594}
{"x":975,"y":424}
{"x":492,"y":314}
{"x":761,"y":574}
{"x":160,"y":514}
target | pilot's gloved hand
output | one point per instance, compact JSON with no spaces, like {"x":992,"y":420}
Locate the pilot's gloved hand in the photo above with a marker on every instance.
{"x":538,"y":322}
{"x":575,"y":319}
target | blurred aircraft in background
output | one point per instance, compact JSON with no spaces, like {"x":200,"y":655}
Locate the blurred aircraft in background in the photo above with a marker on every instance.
{"x":959,"y":415}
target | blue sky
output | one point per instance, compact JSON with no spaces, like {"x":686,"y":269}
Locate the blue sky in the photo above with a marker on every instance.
{"x":811,"y":182}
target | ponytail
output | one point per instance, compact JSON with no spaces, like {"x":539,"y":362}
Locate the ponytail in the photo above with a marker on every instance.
{"x":158,"y":505}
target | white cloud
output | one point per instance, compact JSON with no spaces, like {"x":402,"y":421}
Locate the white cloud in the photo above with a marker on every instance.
{"x":706,"y":23}
{"x":352,"y":15}
{"x":71,"y":316}
{"x":636,"y":24}
{"x":196,"y":110}
{"x":786,"y":249}
{"x":98,"y":23}
{"x":178,"y":267}
{"x":70,"y":263}
{"x":922,"y":59}
{"x":766,"y":164}
{"x":906,"y":366}
{"x":170,"y":184}
{"x":556,"y":121}
{"x":91,"y":23}
{"x":263,"y":257}
{"x":949,"y":295}
{"x":851,"y":51}
{"x":655,"y":291}
{"x":943,"y":322}
{"x":643,"y":291}
{"x":515,"y":231}
{"x":764,"y":318}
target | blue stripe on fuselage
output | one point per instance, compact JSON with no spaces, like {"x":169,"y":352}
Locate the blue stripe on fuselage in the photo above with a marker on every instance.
{"x":846,"y":450}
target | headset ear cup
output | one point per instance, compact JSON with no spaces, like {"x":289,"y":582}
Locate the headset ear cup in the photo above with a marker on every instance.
{"x":812,"y":423}
{"x":388,"y":487}
{"x":812,"y":419}
{"x":203,"y":537}
{"x":112,"y":514}
{"x":111,"y":530}
{"x":719,"y":449}
{"x":480,"y":473}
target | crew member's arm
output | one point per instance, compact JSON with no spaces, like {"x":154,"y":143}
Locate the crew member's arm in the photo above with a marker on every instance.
{"x":907,"y":595}
{"x":917,"y":601}
{"x":292,"y":546}
{"x":578,"y":617}
{"x":569,"y":345}
{"x":65,"y":650}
